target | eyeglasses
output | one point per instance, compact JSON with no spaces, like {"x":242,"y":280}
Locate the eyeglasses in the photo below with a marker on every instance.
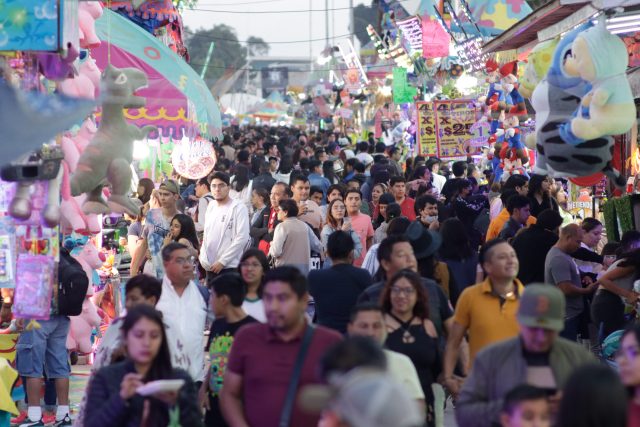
{"x":402,"y":291}
{"x":250,"y":265}
{"x":630,"y":353}
{"x":182,"y":261}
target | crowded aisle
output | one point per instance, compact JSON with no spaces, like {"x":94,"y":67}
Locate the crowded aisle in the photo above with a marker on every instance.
{"x":436,"y":226}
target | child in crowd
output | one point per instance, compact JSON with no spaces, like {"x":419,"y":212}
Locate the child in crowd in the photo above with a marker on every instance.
{"x":526,"y":406}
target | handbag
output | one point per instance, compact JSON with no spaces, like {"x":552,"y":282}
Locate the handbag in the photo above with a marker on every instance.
{"x":287,"y":409}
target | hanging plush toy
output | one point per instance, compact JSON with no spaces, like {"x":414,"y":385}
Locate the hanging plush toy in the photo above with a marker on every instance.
{"x":555,"y":100}
{"x":107,"y":159}
{"x":601,"y":59}
{"x":538,"y":63}
{"x":513,"y":139}
{"x":513,"y":99}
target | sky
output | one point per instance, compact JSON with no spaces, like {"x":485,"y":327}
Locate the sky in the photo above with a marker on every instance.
{"x":280,"y":26}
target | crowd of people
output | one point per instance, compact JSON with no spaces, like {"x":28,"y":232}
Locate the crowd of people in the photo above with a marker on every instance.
{"x":315,"y":280}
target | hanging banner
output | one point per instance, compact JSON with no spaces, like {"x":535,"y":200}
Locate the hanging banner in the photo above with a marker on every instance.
{"x":435,"y":39}
{"x":426,"y":137}
{"x":454,"y":128}
{"x":403,"y":93}
{"x":411,"y":30}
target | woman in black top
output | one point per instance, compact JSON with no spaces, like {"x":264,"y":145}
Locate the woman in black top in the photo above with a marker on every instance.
{"x":112,"y":398}
{"x":539,"y":195}
{"x":410,"y":332}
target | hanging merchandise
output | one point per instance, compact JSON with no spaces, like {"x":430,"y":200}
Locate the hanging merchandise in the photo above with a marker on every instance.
{"x":402,"y":91}
{"x":110,"y":153}
{"x":34,"y":287}
{"x":7,"y":253}
{"x":435,"y":39}
{"x":601,"y":59}
{"x":538,"y":63}
{"x":193,"y":159}
{"x":426,"y":136}
{"x":555,"y":100}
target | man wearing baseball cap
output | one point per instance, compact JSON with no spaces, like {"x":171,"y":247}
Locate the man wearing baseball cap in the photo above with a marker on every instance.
{"x":538,"y":357}
{"x":156,"y":227}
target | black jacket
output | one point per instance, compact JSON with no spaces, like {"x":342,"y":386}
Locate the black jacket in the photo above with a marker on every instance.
{"x":105,"y":407}
{"x":532,"y":246}
{"x":264,"y":180}
{"x":260,"y":228}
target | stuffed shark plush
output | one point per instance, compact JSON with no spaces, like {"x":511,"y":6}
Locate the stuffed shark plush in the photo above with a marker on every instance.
{"x":555,"y":101}
{"x":108,"y":157}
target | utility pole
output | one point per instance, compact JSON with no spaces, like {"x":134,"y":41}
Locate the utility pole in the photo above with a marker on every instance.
{"x":352,"y":25}
{"x":326,"y":22}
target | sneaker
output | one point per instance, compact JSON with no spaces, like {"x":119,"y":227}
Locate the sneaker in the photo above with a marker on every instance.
{"x":48,"y":418}
{"x":28,"y":423}
{"x":19,"y":419}
{"x":65,"y":422}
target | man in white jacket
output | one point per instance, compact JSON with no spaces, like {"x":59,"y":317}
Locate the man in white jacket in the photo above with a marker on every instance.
{"x":226,"y":231}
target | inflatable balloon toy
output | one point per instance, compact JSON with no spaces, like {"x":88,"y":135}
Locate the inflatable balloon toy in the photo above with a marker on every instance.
{"x":600,"y":58}
{"x":555,"y":101}
{"x":88,"y":12}
{"x":107,"y":159}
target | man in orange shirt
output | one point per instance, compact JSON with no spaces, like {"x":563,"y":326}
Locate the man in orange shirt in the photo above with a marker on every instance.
{"x":498,"y":222}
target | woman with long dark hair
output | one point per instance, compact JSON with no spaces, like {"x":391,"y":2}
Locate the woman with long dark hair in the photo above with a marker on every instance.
{"x":145,"y":188}
{"x":241,"y":186}
{"x":410,"y":332}
{"x":628,"y":359}
{"x":540,"y":196}
{"x":113,"y":398}
{"x":183,"y":230}
{"x":337,"y":219}
{"x":616,"y":288}
{"x":252,"y":268}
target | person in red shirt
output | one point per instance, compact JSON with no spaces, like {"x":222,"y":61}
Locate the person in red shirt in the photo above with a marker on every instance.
{"x":399,"y":191}
{"x":263,"y":356}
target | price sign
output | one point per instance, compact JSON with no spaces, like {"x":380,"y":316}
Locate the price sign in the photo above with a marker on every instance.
{"x":427,"y":141}
{"x":454,"y":128}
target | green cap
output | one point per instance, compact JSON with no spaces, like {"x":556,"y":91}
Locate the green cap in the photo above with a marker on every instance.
{"x":542,"y":306}
{"x":170,"y":185}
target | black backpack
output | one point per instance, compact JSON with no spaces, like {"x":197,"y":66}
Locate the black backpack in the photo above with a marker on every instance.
{"x":72,"y":285}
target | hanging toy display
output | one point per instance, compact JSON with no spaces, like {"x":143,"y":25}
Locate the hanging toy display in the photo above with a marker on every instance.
{"x":514,"y":101}
{"x":109,"y":155}
{"x":538,"y":63}
{"x":555,"y":100}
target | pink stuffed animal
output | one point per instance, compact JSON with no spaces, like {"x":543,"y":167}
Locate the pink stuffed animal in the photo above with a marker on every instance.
{"x":79,"y":337}
{"x":88,"y":12}
{"x":72,"y":217}
{"x":91,"y":259}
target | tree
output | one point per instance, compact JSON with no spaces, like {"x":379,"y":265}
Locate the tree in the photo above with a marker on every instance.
{"x":228,"y":53}
{"x":363,"y":16}
{"x":257,"y":46}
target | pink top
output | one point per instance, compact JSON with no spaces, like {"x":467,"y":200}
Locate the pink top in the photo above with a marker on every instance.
{"x":361,"y":224}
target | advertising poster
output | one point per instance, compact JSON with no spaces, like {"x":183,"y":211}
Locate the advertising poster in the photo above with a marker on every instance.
{"x":426,"y":135}
{"x":454,"y":128}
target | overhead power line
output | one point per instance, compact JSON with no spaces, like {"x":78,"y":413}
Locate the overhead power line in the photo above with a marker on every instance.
{"x":291,"y":69}
{"x":195,"y":34}
{"x":273,"y":11}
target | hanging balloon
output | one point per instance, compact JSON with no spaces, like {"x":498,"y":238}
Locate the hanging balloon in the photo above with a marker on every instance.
{"x":193,"y":159}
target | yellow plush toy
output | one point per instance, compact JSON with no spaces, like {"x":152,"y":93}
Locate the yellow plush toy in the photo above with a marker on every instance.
{"x":601,"y":59}
{"x":538,"y":64}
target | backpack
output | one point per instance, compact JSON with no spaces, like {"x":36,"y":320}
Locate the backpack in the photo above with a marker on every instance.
{"x":73,"y":284}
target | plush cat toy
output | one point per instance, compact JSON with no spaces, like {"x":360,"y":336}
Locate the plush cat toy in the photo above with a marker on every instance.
{"x":108,"y":157}
{"x":555,"y":100}
{"x":600,"y":58}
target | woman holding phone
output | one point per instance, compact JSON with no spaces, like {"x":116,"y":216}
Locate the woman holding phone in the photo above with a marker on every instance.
{"x":114,"y":396}
{"x":337,"y":219}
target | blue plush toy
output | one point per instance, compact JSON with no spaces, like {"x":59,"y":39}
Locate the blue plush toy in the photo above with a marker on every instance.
{"x":556,"y":100}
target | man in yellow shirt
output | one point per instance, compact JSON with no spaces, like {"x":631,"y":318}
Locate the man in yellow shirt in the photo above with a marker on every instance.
{"x":499,"y":221}
{"x":487,"y":310}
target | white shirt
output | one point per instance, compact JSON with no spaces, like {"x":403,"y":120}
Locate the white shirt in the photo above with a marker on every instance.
{"x":218,"y":217}
{"x":184,"y":317}
{"x":438,"y":181}
{"x":255,"y":309}
{"x":370,"y":262}
{"x":402,"y":370}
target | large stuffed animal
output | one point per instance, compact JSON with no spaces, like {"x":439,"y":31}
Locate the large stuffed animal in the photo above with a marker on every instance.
{"x":108,"y":157}
{"x":555,"y":100}
{"x":88,"y":12}
{"x":81,"y":328}
{"x":600,"y":58}
{"x":514,"y":101}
